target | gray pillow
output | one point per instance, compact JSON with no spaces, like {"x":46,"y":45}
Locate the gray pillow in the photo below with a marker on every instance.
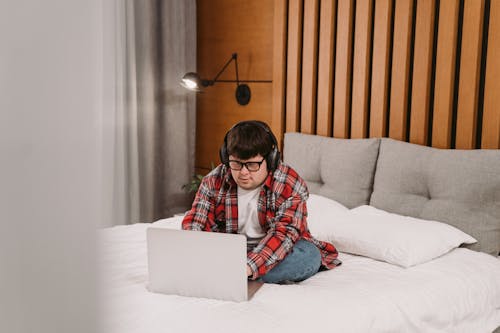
{"x":458,"y":187}
{"x":340,"y":169}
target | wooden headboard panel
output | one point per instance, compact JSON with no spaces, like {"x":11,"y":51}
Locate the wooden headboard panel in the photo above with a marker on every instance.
{"x":426,"y":71}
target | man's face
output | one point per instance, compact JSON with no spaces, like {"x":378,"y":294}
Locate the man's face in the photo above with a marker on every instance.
{"x":248,"y":179}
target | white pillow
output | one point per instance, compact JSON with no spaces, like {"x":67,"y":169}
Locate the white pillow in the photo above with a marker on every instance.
{"x":396,"y":239}
{"x":318,"y":203}
{"x":320,"y":212}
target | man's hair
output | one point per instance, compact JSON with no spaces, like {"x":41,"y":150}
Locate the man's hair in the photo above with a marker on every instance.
{"x":247,"y":140}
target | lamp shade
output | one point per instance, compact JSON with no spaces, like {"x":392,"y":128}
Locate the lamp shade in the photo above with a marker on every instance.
{"x":191,"y":81}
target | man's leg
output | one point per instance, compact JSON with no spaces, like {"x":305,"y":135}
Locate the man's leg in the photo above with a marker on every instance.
{"x":303,"y":262}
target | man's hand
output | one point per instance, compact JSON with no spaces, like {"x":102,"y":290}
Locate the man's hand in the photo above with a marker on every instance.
{"x":249,"y":271}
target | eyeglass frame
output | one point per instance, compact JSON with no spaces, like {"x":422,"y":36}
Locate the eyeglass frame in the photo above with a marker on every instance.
{"x":245,"y":164}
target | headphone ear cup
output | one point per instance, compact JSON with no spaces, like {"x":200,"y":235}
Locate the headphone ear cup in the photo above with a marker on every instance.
{"x":224,"y":158}
{"x":278,"y":158}
{"x":273,"y":159}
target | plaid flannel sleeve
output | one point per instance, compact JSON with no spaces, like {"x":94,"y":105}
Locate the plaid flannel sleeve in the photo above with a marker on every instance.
{"x":202,"y":210}
{"x":286,"y":227}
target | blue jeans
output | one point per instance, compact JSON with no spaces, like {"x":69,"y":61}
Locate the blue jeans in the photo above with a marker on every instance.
{"x":301,"y":263}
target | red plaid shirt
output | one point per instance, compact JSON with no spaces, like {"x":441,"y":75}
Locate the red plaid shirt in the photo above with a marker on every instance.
{"x":281,"y":209}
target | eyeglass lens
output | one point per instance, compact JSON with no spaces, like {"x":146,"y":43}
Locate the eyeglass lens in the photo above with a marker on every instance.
{"x":251,"y":166}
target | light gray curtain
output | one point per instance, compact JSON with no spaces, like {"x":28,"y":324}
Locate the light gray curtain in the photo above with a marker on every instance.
{"x":150,"y":154}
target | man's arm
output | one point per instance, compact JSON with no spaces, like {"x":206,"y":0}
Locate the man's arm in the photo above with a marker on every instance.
{"x":286,"y":228}
{"x":202,"y":209}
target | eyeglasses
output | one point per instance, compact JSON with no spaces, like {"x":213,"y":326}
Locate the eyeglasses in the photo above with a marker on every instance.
{"x":251,"y":166}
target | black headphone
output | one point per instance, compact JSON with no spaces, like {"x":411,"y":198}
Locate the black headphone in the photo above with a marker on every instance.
{"x":272,"y":159}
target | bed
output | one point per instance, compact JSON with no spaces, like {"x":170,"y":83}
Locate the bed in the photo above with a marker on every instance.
{"x":418,"y":230}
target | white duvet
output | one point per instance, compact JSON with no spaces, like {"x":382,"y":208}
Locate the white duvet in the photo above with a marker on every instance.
{"x":458,"y":292}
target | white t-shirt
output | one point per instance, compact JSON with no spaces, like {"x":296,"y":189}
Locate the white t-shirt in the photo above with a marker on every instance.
{"x":248,"y":217}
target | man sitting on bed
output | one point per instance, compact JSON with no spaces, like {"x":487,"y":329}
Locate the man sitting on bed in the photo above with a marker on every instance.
{"x":254,"y":194}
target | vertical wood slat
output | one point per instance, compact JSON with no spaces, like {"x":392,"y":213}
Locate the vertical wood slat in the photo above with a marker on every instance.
{"x":279,"y":69}
{"x":491,"y":114}
{"x":309,"y":66}
{"x":422,"y":71}
{"x":380,"y":68}
{"x":343,"y":62}
{"x":294,"y":66}
{"x":400,"y":69}
{"x":470,"y":68}
{"x":343,"y":59}
{"x":326,"y":58}
{"x":361,"y":69}
{"x":445,"y":73}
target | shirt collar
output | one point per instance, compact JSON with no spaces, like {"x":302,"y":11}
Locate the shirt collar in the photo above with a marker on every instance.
{"x":267,"y":182}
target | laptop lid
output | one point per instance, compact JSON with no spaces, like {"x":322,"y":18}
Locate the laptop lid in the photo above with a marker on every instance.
{"x":197,"y":264}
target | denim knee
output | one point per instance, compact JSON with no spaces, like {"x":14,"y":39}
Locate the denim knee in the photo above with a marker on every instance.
{"x":301,"y":263}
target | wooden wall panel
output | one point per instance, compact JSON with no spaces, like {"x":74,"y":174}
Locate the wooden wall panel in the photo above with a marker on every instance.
{"x":309,"y":67}
{"x":491,"y":114}
{"x":382,"y":47}
{"x":294,"y":61}
{"x":422,"y":71}
{"x":225,"y":27}
{"x":343,"y":68}
{"x":225,"y":112}
{"x":279,"y":69}
{"x":361,"y":69}
{"x":400,"y":69}
{"x":428,"y":70}
{"x":445,"y":73}
{"x":413,"y":70}
{"x":326,"y":59}
{"x":470,"y":67}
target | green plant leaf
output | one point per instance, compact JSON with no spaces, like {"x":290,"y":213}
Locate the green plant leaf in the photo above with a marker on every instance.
{"x":195,"y":182}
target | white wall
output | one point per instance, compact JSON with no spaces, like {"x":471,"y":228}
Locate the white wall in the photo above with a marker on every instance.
{"x":50,"y":163}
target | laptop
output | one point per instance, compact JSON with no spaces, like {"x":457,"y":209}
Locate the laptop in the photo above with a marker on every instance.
{"x":199,"y":264}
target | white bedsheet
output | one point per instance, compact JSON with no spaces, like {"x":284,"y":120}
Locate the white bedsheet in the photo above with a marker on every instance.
{"x":458,"y":292}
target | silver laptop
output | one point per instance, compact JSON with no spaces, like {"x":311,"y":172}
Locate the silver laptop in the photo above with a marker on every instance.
{"x":198,"y":264}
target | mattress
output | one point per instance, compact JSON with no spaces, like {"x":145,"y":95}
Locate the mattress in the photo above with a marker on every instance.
{"x":457,"y":292}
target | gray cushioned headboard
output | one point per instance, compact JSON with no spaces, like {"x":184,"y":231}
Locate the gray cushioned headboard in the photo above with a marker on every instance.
{"x":339,"y":169}
{"x":459,"y":187}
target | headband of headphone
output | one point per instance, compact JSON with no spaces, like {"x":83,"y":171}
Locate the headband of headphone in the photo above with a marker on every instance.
{"x":272,"y":159}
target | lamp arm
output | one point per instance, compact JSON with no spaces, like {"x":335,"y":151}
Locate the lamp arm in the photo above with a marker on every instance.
{"x":236,"y":66}
{"x":233,"y":57}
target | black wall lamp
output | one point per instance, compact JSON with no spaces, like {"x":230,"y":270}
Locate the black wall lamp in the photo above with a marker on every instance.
{"x":192,"y":81}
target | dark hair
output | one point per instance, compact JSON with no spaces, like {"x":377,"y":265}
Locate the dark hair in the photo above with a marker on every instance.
{"x":249,"y":139}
